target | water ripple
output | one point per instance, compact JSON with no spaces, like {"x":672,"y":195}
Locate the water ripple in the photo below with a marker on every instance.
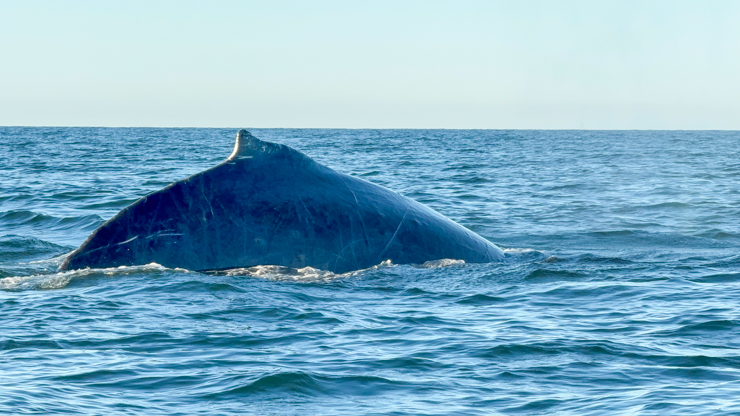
{"x":618,"y":293}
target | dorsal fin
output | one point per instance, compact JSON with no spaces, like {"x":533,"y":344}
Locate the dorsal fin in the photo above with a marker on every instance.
{"x":244,"y":142}
{"x":248,"y":146}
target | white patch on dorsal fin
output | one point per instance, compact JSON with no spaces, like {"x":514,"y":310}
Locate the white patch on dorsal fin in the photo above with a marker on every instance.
{"x":242,"y":145}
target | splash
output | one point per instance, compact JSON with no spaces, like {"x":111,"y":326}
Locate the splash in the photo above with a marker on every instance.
{"x":60,"y":280}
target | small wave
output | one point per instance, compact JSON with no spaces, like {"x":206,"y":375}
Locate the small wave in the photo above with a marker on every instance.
{"x":97,"y":376}
{"x":710,"y":328}
{"x":506,"y":350}
{"x":416,"y":291}
{"x":464,"y":167}
{"x":472,"y":180}
{"x":717,"y":234}
{"x":565,"y":186}
{"x":540,"y":274}
{"x":590,"y":348}
{"x":729,"y":261}
{"x":410,"y":363}
{"x":658,"y":206}
{"x":54,"y":261}
{"x":554,"y":259}
{"x":23,"y":218}
{"x":15,"y":247}
{"x":480,"y":299}
{"x":588,"y":258}
{"x":311,"y":385}
{"x":16,"y":198}
{"x":592,"y":258}
{"x":522,"y":254}
{"x":614,"y":233}
{"x":718,"y":278}
{"x":535,"y":406}
{"x":11,"y":344}
{"x":117,"y":204}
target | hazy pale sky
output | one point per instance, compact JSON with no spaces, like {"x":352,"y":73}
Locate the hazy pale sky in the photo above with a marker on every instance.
{"x":371,"y":64}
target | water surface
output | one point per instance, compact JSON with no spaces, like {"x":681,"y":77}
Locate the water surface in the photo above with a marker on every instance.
{"x":618,"y":293}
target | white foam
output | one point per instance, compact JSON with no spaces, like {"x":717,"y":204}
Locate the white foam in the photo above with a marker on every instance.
{"x":61,"y":279}
{"x":303,"y":274}
{"x":312,"y":274}
{"x":436,"y":264}
{"x":37,"y":281}
{"x":518,"y":250}
{"x":124,"y":270}
{"x":282,"y":273}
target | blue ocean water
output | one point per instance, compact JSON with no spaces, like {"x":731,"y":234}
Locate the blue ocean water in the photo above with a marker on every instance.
{"x":619,"y":291}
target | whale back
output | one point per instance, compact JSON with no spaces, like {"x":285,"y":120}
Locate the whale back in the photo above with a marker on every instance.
{"x":269,"y":204}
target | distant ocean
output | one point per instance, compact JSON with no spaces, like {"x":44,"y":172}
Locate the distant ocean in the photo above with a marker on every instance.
{"x":619,"y":293}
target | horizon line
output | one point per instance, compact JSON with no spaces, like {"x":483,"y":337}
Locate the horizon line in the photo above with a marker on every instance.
{"x":356,"y":128}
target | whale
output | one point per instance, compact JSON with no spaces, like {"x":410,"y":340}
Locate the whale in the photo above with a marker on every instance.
{"x":268,"y":204}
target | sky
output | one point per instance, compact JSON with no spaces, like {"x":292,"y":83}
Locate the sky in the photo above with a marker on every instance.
{"x":521,"y":64}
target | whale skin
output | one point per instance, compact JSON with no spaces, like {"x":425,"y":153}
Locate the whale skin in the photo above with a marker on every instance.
{"x":269,"y":204}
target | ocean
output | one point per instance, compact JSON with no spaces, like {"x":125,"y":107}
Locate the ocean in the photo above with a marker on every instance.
{"x":618,"y":293}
